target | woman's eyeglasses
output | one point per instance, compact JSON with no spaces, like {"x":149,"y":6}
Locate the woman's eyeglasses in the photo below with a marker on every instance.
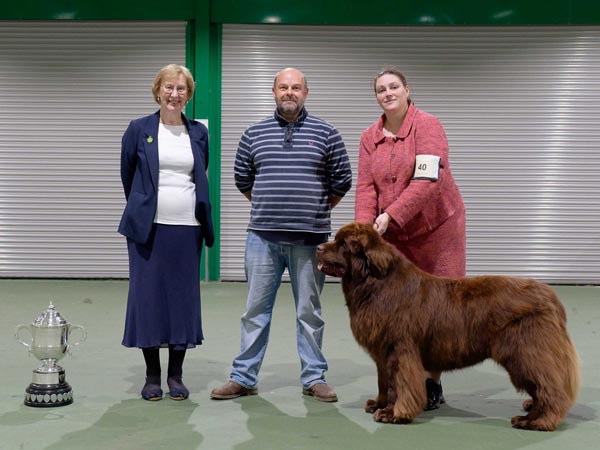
{"x":169,"y":88}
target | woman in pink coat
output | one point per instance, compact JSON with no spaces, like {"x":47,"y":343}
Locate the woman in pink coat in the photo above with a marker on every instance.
{"x":406,"y":190}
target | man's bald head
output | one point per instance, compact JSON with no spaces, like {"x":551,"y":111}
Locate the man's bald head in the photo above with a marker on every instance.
{"x":290,"y":70}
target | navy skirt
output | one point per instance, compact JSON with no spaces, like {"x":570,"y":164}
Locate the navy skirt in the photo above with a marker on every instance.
{"x":163,"y":306}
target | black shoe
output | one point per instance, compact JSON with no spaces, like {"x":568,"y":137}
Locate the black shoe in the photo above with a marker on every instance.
{"x":435,"y":396}
{"x":152,"y":390}
{"x":177,"y":390}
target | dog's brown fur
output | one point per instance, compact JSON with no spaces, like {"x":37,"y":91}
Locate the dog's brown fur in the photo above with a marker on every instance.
{"x":410,"y":322}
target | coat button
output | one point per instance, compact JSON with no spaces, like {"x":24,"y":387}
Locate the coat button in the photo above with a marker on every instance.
{"x":394,"y":178}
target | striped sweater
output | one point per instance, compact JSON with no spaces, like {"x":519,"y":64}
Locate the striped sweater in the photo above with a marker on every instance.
{"x":291,"y":169}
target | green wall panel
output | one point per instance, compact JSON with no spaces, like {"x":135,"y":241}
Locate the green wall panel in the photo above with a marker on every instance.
{"x":99,"y":9}
{"x":214,"y":122}
{"x":408,"y":12}
{"x":321,"y":12}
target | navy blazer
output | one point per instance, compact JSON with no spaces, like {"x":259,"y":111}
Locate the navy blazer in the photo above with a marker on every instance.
{"x":139,"y":174}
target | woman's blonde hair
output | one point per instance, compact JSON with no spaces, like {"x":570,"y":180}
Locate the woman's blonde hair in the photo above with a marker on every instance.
{"x":173,"y":71}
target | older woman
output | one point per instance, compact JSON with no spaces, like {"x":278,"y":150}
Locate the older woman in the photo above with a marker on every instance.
{"x":164,"y":157}
{"x":406,"y":190}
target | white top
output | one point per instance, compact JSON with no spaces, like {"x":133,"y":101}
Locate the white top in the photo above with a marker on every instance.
{"x":176,"y":188}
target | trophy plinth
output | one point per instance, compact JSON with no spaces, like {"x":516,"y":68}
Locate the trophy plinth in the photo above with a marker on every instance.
{"x":50,"y":335}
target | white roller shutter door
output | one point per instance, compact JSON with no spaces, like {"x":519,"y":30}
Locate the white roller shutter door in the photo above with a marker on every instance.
{"x":520,"y":105}
{"x":68,"y":91}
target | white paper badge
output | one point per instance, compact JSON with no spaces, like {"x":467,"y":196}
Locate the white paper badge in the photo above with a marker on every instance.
{"x":427,"y":167}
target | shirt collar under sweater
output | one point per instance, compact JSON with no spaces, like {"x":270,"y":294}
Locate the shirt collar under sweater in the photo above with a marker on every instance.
{"x":284,"y":122}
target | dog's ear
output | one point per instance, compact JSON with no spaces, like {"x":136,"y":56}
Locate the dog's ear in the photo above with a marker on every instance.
{"x":379,"y":260}
{"x":368,"y":247}
{"x":354,"y":250}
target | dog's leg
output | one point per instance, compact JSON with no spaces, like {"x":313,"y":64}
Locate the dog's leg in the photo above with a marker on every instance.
{"x":381,"y":400}
{"x":550,"y":400}
{"x":543,"y":410}
{"x":528,"y":405}
{"x":544,"y":364}
{"x":407,"y":372}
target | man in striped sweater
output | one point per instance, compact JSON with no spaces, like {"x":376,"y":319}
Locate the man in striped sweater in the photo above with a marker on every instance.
{"x":293,"y":167}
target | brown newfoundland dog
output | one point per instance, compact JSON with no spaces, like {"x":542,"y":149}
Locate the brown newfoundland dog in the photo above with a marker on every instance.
{"x":410,"y":322}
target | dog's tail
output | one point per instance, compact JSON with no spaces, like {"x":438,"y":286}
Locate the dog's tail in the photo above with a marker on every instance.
{"x":558,"y":378}
{"x":564,"y":368}
{"x":572,"y":376}
{"x":566,"y":353}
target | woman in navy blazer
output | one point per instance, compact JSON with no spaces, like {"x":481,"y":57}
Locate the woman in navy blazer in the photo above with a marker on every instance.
{"x":164,"y":157}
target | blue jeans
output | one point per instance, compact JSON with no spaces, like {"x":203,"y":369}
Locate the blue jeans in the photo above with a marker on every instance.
{"x":265,"y":262}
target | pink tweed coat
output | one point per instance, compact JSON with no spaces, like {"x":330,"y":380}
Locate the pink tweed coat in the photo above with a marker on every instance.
{"x":386,"y":166}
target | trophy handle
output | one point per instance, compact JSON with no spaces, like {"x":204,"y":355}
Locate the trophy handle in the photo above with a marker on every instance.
{"x":18,"y":329}
{"x":83,"y":335}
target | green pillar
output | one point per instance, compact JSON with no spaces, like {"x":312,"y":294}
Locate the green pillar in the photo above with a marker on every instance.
{"x":204,"y":60}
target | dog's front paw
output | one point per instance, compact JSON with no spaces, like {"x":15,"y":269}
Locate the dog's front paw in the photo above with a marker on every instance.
{"x":371,"y":406}
{"x":386,"y":415}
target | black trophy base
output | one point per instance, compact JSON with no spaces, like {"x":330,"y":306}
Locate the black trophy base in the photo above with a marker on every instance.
{"x":48,"y":395}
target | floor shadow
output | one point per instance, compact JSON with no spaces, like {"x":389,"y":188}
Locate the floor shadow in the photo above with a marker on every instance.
{"x":27,"y":415}
{"x":136,"y":424}
{"x":487,"y":404}
{"x":324,"y":427}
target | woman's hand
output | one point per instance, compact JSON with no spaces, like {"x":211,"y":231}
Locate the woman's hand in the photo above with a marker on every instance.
{"x":381,"y":223}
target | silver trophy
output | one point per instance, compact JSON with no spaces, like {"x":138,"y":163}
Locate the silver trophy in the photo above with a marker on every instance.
{"x":50,"y":340}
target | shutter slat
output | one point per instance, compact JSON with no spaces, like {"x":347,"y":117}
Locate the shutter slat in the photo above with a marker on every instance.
{"x":69,"y":89}
{"x":520,"y":105}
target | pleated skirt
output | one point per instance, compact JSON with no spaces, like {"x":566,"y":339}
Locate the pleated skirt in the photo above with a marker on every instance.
{"x":163,"y":305}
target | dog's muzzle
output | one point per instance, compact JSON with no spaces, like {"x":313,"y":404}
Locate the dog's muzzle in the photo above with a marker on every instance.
{"x":334,"y":270}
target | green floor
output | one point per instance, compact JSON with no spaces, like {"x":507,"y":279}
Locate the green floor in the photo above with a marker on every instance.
{"x":108,"y":413}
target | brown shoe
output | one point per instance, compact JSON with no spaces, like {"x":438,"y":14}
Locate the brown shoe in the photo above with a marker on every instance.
{"x":231,"y":390}
{"x":321,"y":392}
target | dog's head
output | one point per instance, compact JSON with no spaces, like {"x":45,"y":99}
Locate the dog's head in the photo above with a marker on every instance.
{"x":357,"y":251}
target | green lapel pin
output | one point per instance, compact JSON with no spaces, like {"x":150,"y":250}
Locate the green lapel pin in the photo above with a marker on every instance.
{"x":150,"y":140}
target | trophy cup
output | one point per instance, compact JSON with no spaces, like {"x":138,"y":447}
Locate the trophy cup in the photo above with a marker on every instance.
{"x":50,"y":340}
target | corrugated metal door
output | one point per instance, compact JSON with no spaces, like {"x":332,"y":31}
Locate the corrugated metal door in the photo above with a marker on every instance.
{"x":68,"y":91}
{"x":521,"y":107}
